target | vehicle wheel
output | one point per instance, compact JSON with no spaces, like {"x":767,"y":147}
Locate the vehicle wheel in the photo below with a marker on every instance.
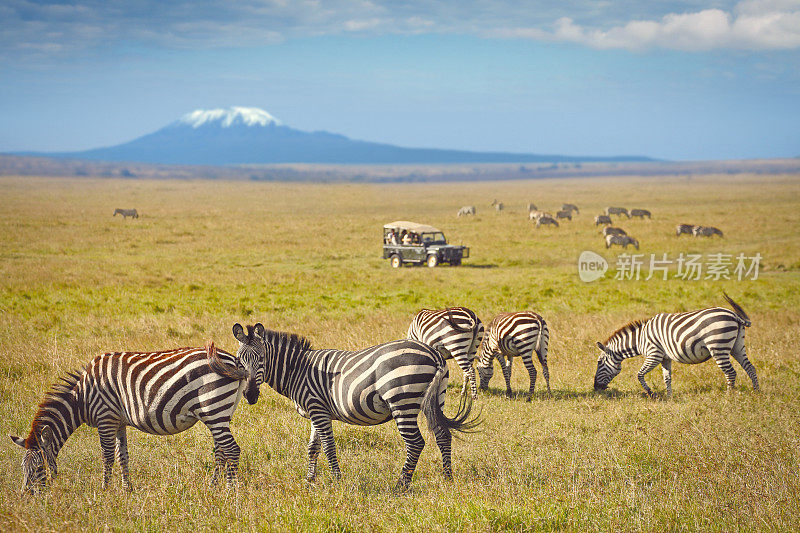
{"x":395,"y":261}
{"x":432,"y":261}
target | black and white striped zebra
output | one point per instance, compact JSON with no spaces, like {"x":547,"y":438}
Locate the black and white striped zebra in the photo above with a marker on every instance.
{"x":456,"y":329}
{"x":161,"y":393}
{"x":690,"y":338}
{"x":126,"y":213}
{"x":509,"y":335}
{"x":395,"y":380}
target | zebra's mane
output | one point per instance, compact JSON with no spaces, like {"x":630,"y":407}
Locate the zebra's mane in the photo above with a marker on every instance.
{"x":627,"y":327}
{"x":59,"y":393}
{"x":295,"y":343}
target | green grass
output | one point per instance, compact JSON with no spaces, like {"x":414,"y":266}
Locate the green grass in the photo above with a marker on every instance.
{"x":75,"y":282}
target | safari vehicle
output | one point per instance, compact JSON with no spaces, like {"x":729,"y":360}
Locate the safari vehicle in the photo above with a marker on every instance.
{"x":409,"y":242}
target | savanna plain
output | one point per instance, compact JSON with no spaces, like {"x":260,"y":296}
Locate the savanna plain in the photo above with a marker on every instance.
{"x":76,"y":282}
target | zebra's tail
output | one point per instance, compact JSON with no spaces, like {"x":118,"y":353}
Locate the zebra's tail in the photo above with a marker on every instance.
{"x":738,"y":310}
{"x":221,"y":367}
{"x":438,"y":422}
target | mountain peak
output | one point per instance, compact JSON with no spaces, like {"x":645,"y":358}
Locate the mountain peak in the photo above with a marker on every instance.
{"x":247,"y":116}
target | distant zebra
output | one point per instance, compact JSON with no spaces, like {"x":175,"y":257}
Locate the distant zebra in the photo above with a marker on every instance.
{"x":705,"y":231}
{"x":690,"y":338}
{"x":536,"y":215}
{"x":570,"y":207}
{"x":564,"y":214}
{"x":688,"y":229}
{"x":126,"y":213}
{"x":617,"y":211}
{"x":602,"y":219}
{"x":641,"y":213}
{"x":509,"y":335}
{"x":610,"y":230}
{"x":498,"y":206}
{"x":622,"y":240}
{"x":456,"y":329}
{"x":389,"y":381}
{"x":162,"y":393}
{"x":546,"y":220}
{"x":467,"y":210}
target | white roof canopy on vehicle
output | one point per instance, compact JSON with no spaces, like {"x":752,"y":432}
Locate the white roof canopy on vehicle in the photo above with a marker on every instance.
{"x":410,"y":226}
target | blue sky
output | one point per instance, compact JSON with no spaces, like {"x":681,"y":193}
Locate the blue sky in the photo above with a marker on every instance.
{"x":673,"y":80}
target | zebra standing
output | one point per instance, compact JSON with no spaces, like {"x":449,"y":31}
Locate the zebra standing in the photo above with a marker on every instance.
{"x":688,"y":229}
{"x":617,"y":211}
{"x":466,"y":210}
{"x":705,"y":231}
{"x":641,"y":213}
{"x":162,"y":393}
{"x":456,"y":329}
{"x":570,"y":207}
{"x":395,"y":380}
{"x":690,"y":338}
{"x":546,"y":220}
{"x":622,"y":240}
{"x":610,"y":230}
{"x":509,"y":335}
{"x":126,"y":213}
{"x":602,"y":219}
{"x":564,"y":213}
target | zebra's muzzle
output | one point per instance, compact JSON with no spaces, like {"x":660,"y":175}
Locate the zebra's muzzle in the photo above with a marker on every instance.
{"x":251,"y":394}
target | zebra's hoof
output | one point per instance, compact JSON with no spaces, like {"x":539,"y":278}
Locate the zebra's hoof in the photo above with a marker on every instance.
{"x":403,"y":485}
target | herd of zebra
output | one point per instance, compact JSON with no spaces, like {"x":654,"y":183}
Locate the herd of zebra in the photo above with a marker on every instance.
{"x":167,"y":392}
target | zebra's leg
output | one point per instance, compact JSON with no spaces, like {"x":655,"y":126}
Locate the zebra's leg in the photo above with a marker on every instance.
{"x":723,"y":361}
{"x":219,"y":465}
{"x":485,"y":373}
{"x":322,"y":425}
{"x":409,"y":431}
{"x":651,"y":361}
{"x":505,"y":364}
{"x":313,"y":453}
{"x":545,"y":369}
{"x":666,"y":371}
{"x":122,"y":457}
{"x":226,"y":445}
{"x":527,"y":360}
{"x":740,"y":354}
{"x":469,"y":377}
{"x":108,"y":434}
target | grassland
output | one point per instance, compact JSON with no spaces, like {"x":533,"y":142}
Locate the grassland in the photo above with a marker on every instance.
{"x":75,"y":282}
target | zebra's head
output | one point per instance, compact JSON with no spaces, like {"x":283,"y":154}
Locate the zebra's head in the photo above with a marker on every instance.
{"x":608,"y":367}
{"x":39,"y":462}
{"x":251,"y":356}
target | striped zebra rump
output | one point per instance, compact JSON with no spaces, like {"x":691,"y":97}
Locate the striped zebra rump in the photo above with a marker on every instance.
{"x":456,"y":332}
{"x":515,"y":334}
{"x":389,"y":381}
{"x":690,"y":338}
{"x":161,"y":393}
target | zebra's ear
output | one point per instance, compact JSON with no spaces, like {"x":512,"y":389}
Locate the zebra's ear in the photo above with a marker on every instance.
{"x":238,"y":332}
{"x":46,"y":437}
{"x":19,"y":441}
{"x":259,"y":329}
{"x":601,"y":346}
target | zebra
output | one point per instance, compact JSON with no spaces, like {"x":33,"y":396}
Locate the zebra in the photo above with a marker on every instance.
{"x":680,"y":229}
{"x":126,"y":213}
{"x":509,"y":335}
{"x":467,"y":210}
{"x":641,"y":213}
{"x":546,"y":220}
{"x":692,"y":337}
{"x":395,"y":380}
{"x":622,"y":240}
{"x":705,"y":231}
{"x":564,"y":214}
{"x":162,"y":393}
{"x":536,"y":215}
{"x":602,"y":219}
{"x":570,"y":207}
{"x":617,"y":211}
{"x":458,"y":331}
{"x":610,"y":230}
{"x":498,"y":206}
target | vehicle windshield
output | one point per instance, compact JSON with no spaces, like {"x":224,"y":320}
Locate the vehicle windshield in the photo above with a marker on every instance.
{"x":434,"y":238}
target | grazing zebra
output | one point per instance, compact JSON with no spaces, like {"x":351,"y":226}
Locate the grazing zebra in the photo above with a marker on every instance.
{"x":564,"y":214}
{"x":126,"y":213}
{"x":570,"y":207}
{"x":690,"y":338}
{"x":617,"y":211}
{"x":622,"y":240}
{"x":395,"y":380}
{"x":509,"y":335}
{"x":546,"y":220}
{"x":467,"y":210}
{"x":610,"y":230}
{"x":456,"y":329}
{"x":641,"y":213}
{"x":536,"y":215}
{"x":688,"y":229}
{"x":532,"y":207}
{"x":162,"y":393}
{"x":602,"y":219}
{"x":705,"y":231}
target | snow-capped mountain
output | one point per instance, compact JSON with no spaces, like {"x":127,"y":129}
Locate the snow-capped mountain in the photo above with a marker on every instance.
{"x":249,"y":135}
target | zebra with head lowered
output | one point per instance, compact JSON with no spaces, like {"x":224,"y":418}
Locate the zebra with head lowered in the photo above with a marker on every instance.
{"x":467,"y":210}
{"x":610,"y":230}
{"x":162,"y":393}
{"x":458,"y":331}
{"x":617,"y":211}
{"x":622,"y":240}
{"x":126,"y":213}
{"x":509,"y":335}
{"x":564,"y":213}
{"x":395,"y":380}
{"x":641,"y":213}
{"x":705,"y":231}
{"x":691,"y":338}
{"x":570,"y":207}
{"x":602,"y":219}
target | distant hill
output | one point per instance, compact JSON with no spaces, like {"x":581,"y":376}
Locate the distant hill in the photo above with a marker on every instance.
{"x":242,"y":135}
